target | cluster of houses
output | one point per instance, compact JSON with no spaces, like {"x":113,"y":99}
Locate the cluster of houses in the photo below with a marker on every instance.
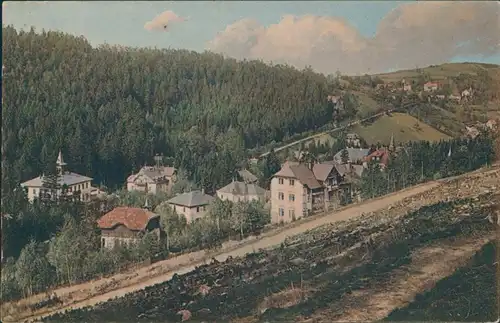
{"x":298,"y":189}
{"x":429,"y":87}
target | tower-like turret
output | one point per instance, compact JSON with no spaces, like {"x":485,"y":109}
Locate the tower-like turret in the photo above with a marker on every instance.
{"x":60,"y":164}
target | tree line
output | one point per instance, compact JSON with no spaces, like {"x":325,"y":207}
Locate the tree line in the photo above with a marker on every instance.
{"x":417,"y":162}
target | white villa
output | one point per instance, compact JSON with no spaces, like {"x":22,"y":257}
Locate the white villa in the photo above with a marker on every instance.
{"x":72,"y":182}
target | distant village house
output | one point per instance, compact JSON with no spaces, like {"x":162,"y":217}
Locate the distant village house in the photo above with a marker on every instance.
{"x":431,"y":86}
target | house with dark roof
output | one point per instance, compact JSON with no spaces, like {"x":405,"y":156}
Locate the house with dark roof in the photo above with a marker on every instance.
{"x":299,"y":189}
{"x":127,"y":225}
{"x":246,"y":176}
{"x":355,"y":155}
{"x":193,"y":205}
{"x":241,"y":191}
{"x":152,"y":179}
{"x":70,"y":183}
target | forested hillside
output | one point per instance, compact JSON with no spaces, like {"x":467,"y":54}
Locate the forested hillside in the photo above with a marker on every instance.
{"x":111,"y":109}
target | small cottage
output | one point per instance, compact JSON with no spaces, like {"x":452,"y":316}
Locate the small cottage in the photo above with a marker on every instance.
{"x":127,"y":225}
{"x":192,"y":205}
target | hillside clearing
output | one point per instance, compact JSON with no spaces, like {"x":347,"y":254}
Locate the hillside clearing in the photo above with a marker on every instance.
{"x":402,"y":125}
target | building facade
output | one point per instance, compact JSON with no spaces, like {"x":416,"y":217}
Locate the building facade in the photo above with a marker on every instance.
{"x":69,"y":184}
{"x":300,"y":189}
{"x":152,"y":179}
{"x":192,"y":205}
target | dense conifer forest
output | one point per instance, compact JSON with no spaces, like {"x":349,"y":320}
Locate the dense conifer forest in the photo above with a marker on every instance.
{"x":111,"y":109}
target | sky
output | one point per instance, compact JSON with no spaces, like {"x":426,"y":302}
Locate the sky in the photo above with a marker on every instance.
{"x":352,"y":37}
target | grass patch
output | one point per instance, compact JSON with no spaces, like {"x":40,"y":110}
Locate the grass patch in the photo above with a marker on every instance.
{"x":402,"y":126}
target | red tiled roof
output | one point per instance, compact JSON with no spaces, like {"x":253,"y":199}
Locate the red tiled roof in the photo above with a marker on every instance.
{"x":132,"y":217}
{"x":380,"y":153}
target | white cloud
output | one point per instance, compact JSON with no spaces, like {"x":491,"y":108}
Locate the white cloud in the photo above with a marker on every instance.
{"x":416,"y":34}
{"x":163,"y":21}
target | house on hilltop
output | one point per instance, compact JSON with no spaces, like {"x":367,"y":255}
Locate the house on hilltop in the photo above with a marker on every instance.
{"x":69,"y":184}
{"x":127,"y":225}
{"x":192,"y":205}
{"x":152,"y":179}
{"x":241,"y":191}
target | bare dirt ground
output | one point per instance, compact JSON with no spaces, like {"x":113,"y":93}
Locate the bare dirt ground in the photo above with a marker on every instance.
{"x":91,"y":293}
{"x":429,"y":265}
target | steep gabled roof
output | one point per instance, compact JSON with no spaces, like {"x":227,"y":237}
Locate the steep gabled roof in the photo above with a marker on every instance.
{"x":355,"y":154}
{"x":191,"y":199}
{"x":131,"y":217}
{"x":247,"y":176}
{"x":305,"y":176}
{"x":241,"y":188}
{"x":321,"y":171}
{"x":152,"y":173}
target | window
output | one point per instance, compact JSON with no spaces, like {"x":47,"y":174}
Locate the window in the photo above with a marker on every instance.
{"x":183,"y":209}
{"x":281,"y":196}
{"x":34,"y":191}
{"x":292,"y":182}
{"x":281,"y":180}
{"x":197,"y":209}
{"x":291,"y":197}
{"x":282,"y":212}
{"x":87,"y":185}
{"x":103,"y":242}
{"x":291,"y":213}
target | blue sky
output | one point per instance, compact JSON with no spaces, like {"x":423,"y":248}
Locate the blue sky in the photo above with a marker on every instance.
{"x":123,"y":23}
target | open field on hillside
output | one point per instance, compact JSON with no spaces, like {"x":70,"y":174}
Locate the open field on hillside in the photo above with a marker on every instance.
{"x":440,"y":72}
{"x":402,"y":126}
{"x":308,"y":273}
{"x":470,"y":294}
